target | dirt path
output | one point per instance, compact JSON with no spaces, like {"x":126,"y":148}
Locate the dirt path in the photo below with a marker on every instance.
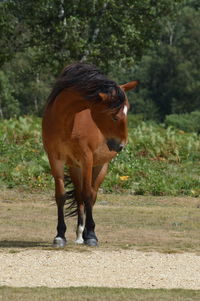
{"x":123,"y":268}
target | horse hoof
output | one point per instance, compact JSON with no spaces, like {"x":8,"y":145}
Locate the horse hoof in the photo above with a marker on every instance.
{"x":79,"y":241}
{"x":92,"y":242}
{"x":59,"y":242}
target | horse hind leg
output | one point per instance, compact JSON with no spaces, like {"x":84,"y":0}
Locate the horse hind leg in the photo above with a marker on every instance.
{"x":75,"y":174}
{"x":57,"y":168}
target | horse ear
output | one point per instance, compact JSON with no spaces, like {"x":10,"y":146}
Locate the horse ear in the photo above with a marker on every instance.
{"x":130,"y":85}
{"x":103,"y":96}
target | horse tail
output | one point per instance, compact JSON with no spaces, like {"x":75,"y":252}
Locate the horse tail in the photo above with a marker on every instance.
{"x":71,"y":208}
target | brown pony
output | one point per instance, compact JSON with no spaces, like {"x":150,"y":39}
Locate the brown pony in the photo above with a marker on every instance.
{"x":84,"y":127}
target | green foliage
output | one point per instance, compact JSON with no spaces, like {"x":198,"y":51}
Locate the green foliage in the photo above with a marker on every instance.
{"x":154,"y":41}
{"x":170,"y":72}
{"x":156,"y":160}
{"x":38,"y":38}
{"x":97,"y":31}
{"x":134,"y":120}
{"x":8,"y":105}
{"x":24,"y":86}
{"x":9,"y":32}
{"x":189,"y":122}
{"x":23,"y":161}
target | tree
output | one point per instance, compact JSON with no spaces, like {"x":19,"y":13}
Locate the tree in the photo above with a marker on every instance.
{"x":101,"y":32}
{"x":13,"y":33}
{"x":8,"y":105}
{"x":26,"y":83}
{"x":170,"y":71}
{"x":40,"y":37}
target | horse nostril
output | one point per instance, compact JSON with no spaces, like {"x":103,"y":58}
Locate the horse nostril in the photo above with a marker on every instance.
{"x":114,"y":145}
{"x":121,"y":146}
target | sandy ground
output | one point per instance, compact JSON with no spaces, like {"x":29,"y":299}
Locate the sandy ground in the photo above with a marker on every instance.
{"x":123,"y":268}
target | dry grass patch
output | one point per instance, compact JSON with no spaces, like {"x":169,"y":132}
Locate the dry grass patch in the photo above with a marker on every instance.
{"x":165,"y":224}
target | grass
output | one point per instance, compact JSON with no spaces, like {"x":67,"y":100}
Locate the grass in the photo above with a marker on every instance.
{"x":96,"y":294}
{"x":167,"y":224}
{"x":156,"y":161}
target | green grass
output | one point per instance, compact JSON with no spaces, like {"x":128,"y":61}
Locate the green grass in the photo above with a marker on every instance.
{"x":156,"y":161}
{"x":96,"y":294}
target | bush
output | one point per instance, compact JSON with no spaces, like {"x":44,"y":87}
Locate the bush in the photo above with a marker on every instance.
{"x":189,"y":122}
{"x":134,"y":120}
{"x":23,"y":161}
{"x":156,"y":161}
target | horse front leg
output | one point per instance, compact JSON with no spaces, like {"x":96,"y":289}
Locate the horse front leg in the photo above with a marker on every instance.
{"x":89,"y":235}
{"x":57,"y":168}
{"x":60,"y":240}
{"x":98,"y":175}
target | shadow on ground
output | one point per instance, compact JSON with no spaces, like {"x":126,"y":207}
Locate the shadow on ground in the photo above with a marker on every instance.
{"x":22,"y":244}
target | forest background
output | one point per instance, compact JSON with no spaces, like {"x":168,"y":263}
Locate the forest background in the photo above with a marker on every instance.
{"x":156,"y":42}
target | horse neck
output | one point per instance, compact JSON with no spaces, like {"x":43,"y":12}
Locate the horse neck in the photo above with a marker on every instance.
{"x":70,"y":103}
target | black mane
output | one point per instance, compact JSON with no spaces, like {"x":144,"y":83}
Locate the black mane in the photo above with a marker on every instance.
{"x":88,"y":79}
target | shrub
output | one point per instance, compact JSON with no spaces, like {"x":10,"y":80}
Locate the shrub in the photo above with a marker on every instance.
{"x":134,"y":120}
{"x":189,"y":122}
{"x":23,"y":161}
{"x":156,"y":160}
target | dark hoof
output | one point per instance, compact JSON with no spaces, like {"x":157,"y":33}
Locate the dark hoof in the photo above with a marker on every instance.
{"x":92,"y":242}
{"x":59,"y":242}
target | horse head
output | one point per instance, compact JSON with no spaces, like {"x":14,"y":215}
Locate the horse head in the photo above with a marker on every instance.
{"x":110,"y":115}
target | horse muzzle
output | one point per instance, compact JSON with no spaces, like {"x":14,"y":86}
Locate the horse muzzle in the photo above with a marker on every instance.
{"x":114,"y":145}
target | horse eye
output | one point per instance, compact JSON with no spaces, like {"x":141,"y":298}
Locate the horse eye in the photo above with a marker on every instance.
{"x":115,"y":118}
